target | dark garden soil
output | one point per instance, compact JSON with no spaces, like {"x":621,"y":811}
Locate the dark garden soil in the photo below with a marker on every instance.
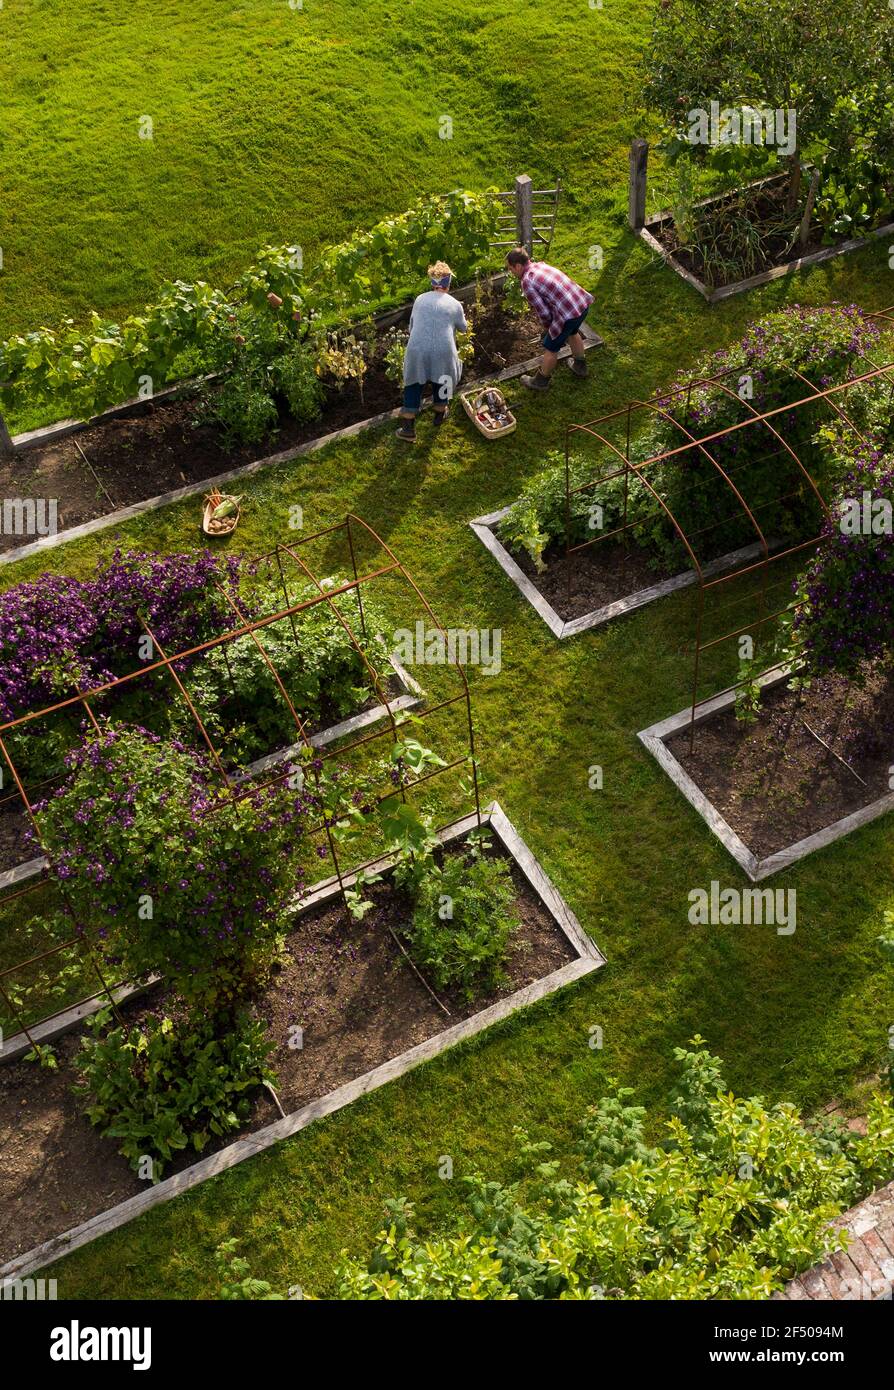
{"x":600,"y":575}
{"x":771,"y":779}
{"x":765,"y":208}
{"x":346,"y":985}
{"x":15,"y":846}
{"x":118,"y":462}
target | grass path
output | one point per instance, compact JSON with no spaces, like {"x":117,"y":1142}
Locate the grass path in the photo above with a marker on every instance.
{"x":272,"y":124}
{"x":803,"y":1017}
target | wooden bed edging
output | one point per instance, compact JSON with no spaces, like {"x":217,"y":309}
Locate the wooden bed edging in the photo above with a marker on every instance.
{"x":654,"y":739}
{"x":483,"y":527}
{"x":589,"y":959}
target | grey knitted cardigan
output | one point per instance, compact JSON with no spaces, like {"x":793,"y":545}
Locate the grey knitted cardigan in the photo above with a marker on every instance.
{"x":431,"y":351}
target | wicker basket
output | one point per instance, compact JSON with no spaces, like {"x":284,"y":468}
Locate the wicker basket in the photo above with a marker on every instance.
{"x":475,"y":406}
{"x":225,"y":525}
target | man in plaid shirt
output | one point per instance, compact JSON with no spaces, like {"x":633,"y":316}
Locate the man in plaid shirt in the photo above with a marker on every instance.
{"x":561,"y":306}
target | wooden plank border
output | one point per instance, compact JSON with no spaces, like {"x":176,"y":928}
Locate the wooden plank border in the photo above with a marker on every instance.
{"x":588,"y":959}
{"x":483,"y":527}
{"x":654,"y":739}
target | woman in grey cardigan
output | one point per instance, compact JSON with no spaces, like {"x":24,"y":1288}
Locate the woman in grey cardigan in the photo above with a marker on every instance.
{"x":431,"y":354}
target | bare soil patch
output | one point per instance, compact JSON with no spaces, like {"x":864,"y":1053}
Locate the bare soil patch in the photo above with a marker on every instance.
{"x":773,"y":781}
{"x":577,"y":584}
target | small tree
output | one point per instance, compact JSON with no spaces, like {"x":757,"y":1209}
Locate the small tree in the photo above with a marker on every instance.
{"x":788,"y":55}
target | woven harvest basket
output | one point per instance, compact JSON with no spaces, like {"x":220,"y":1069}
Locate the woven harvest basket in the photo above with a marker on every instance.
{"x":475,"y":404}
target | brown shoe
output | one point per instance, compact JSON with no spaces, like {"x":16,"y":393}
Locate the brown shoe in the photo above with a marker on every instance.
{"x":537,"y":382}
{"x":407,"y":432}
{"x":578,"y":365}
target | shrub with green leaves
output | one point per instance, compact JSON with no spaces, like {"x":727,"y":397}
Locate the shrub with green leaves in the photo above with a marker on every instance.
{"x":242,"y":408}
{"x":294,"y":374}
{"x":463,"y":918}
{"x":167,"y":871}
{"x":735,"y":1200}
{"x":541,"y":517}
{"x":165,"y":1087}
{"x":846,"y":592}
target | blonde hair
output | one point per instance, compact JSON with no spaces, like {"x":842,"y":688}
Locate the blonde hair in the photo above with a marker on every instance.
{"x":439,"y":270}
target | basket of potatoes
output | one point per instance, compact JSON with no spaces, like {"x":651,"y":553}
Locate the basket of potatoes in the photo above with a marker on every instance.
{"x":221,"y":513}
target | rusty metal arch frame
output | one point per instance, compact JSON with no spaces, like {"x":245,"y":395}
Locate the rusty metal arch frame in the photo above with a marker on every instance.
{"x":654,"y":406}
{"x":167,"y":662}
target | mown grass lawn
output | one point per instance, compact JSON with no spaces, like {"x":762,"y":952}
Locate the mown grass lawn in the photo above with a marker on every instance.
{"x":265,"y":131}
{"x":272,"y":124}
{"x":803,"y":1017}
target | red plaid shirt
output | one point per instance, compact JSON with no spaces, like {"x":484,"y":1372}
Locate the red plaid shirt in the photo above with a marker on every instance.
{"x":553,"y":295}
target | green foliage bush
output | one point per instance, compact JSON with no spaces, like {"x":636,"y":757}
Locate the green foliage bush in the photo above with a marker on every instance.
{"x":538,"y":518}
{"x":294,"y":375}
{"x":734,"y":1202}
{"x":242,"y":409}
{"x":49,"y":984}
{"x":463,"y":917}
{"x":846,"y":592}
{"x":322,"y":671}
{"x":462,"y":900}
{"x":165,"y":1087}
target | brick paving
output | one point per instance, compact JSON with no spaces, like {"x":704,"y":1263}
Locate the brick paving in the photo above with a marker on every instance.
{"x":866,"y":1268}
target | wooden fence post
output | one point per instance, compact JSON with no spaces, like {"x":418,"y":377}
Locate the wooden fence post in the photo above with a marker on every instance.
{"x":7,"y":448}
{"x":524,"y":212}
{"x":639,"y":161}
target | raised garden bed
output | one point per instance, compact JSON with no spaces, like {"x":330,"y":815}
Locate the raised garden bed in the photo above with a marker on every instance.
{"x":607,"y":581}
{"x":804,"y":772}
{"x":660,"y":235}
{"x":157,"y":452}
{"x":366,"y":1016}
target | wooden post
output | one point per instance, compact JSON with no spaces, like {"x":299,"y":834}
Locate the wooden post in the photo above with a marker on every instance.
{"x":7,"y":448}
{"x":524,"y":212}
{"x":804,"y":230}
{"x":639,"y":161}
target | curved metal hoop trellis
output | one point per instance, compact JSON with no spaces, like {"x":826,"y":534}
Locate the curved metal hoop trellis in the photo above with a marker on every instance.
{"x":286,"y":556}
{"x":773,"y":423}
